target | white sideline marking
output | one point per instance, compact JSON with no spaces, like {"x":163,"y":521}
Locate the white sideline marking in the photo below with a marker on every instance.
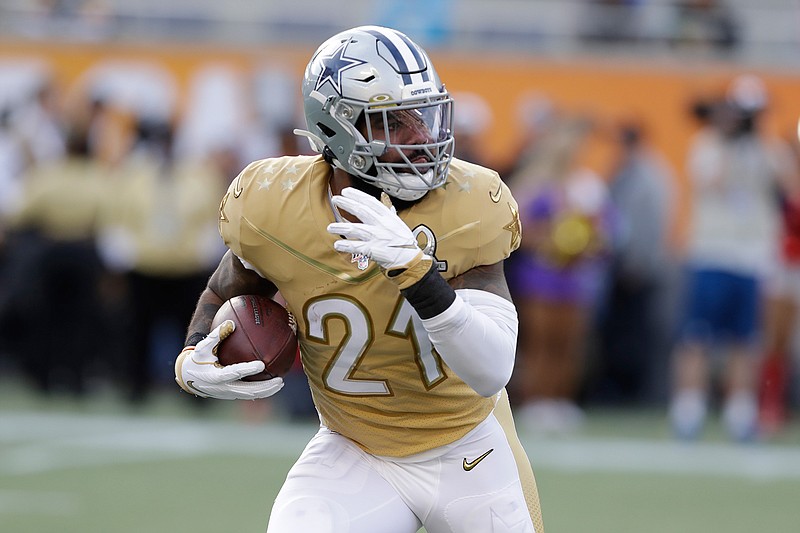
{"x":754,"y":462}
{"x":40,"y":442}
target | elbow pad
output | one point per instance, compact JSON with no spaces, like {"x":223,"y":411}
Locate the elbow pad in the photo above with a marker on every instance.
{"x":477,"y":337}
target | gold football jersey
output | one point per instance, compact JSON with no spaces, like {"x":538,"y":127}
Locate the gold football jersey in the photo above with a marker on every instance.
{"x":373,"y":373}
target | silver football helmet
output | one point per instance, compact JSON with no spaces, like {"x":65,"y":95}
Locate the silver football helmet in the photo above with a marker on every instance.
{"x":369,"y":92}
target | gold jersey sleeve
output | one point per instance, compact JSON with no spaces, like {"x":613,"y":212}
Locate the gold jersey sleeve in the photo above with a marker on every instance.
{"x":373,"y":373}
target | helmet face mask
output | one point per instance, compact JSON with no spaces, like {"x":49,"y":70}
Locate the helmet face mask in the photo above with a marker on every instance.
{"x":374,"y":102}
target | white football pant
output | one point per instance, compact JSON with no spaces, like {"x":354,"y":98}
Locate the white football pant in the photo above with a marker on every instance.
{"x":469,"y":486}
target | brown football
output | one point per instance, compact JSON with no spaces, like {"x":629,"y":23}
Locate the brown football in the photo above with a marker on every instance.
{"x":265,"y":331}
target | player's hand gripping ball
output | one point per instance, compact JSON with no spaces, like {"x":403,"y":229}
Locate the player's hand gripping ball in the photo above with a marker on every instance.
{"x":265,"y":331}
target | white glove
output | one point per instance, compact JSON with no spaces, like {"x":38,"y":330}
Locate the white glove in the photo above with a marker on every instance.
{"x":198,"y":372}
{"x":382,"y":236}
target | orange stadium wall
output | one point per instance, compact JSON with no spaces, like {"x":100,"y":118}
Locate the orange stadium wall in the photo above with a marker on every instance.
{"x":658,"y":93}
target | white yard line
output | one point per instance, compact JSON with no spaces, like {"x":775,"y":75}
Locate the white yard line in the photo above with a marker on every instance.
{"x":40,"y":442}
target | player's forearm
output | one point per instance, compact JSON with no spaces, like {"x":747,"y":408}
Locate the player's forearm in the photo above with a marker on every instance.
{"x":230,"y":279}
{"x":474,"y":331}
{"x":200,"y":325}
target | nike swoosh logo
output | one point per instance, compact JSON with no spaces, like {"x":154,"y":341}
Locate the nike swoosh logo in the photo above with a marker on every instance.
{"x":495,"y":196}
{"x":469,"y":465}
{"x":190,"y":384}
{"x":237,"y":189}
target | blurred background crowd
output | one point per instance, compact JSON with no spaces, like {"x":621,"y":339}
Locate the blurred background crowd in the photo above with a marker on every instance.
{"x":652,"y":146}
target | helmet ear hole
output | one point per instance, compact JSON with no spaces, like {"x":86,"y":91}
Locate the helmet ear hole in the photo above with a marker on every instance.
{"x":328,"y":132}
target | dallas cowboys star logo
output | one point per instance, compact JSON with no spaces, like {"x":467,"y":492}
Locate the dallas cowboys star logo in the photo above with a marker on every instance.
{"x":334,"y":65}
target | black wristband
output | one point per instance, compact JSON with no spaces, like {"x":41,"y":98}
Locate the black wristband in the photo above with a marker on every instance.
{"x":431,"y":295}
{"x":193,"y":339}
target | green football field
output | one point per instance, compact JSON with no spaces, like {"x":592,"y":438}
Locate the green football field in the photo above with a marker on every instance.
{"x":99,"y":467}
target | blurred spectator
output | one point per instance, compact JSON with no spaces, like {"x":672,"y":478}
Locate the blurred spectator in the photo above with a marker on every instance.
{"x":470,"y":123}
{"x":39,"y":125}
{"x":12,"y":164}
{"x":13,"y":161}
{"x":782,"y":301}
{"x":268,"y":129}
{"x":160,"y":231}
{"x":556,"y":277}
{"x":705,"y":26}
{"x":552,"y":142}
{"x":631,"y":331}
{"x":51,"y":311}
{"x":109,"y":132}
{"x":219,"y":112}
{"x":536,"y":114}
{"x":732,"y":244}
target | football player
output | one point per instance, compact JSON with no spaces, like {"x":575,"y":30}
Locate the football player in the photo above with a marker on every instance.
{"x":389,"y":252}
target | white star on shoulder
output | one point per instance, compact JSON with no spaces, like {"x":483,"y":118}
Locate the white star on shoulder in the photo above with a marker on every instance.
{"x":268,"y":171}
{"x":288,"y":184}
{"x":465,"y":186}
{"x":292,"y":170}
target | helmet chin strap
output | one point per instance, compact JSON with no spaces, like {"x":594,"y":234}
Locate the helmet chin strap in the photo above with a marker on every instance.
{"x":401,"y":194}
{"x":397,"y":191}
{"x":338,"y":164}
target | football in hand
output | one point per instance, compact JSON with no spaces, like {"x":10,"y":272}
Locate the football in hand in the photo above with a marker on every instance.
{"x":265,"y":331}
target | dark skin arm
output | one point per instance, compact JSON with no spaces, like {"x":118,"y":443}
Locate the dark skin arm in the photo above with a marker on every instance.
{"x":230,"y":279}
{"x":489,"y":278}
